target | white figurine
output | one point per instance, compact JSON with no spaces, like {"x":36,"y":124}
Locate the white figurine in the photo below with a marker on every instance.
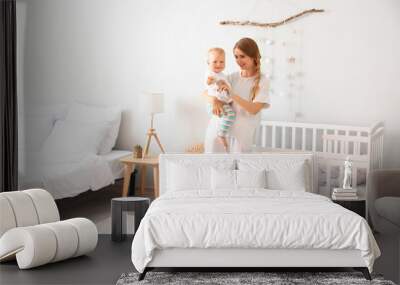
{"x":347,"y":174}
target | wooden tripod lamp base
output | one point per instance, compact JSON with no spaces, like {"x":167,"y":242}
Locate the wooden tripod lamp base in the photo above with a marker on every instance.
{"x":152,"y":133}
{"x":155,"y":103}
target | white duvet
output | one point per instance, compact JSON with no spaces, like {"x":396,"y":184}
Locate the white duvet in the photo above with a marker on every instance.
{"x":67,"y":175}
{"x":250,"y":219}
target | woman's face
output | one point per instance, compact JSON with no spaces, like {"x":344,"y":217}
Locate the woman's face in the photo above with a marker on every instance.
{"x":244,"y":61}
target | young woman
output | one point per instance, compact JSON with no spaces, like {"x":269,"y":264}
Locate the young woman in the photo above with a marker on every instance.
{"x":249,"y":92}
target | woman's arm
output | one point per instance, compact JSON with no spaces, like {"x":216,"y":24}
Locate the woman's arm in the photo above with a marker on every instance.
{"x":217,"y":104}
{"x":251,"y":107}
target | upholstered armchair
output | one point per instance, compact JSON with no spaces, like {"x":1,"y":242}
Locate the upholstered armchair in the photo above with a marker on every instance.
{"x":383,"y":201}
{"x":31,"y":231}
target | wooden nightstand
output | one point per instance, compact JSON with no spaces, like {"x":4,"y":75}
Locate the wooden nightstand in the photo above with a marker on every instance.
{"x":130,"y":162}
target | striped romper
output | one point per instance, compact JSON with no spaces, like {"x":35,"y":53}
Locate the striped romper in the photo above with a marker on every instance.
{"x":228,"y":117}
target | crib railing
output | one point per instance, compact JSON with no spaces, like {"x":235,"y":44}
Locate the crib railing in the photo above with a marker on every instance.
{"x":331,"y":145}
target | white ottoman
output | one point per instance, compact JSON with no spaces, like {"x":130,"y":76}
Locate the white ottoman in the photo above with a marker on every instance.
{"x":31,"y":232}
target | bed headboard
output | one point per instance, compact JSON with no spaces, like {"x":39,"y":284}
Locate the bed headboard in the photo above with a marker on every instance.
{"x":165,"y":159}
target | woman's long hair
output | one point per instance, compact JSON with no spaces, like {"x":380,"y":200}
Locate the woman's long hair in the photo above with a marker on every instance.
{"x":250,"y":48}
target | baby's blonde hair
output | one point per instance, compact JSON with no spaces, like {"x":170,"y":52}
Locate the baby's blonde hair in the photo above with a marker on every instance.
{"x":216,"y":49}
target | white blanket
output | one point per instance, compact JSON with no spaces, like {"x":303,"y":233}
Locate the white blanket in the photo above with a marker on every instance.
{"x":68,"y":175}
{"x":250,"y":219}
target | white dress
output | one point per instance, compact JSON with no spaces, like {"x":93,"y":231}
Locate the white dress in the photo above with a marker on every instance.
{"x":242,"y":131}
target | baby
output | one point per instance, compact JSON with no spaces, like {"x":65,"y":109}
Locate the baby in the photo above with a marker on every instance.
{"x":214,"y":78}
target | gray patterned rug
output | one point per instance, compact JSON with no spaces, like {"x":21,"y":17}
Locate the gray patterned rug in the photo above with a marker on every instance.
{"x":243,"y":278}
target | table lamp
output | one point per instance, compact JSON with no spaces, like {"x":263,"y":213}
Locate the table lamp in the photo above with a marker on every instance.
{"x":155,"y":105}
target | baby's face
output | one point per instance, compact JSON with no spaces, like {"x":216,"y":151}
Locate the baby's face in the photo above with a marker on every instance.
{"x":216,"y":61}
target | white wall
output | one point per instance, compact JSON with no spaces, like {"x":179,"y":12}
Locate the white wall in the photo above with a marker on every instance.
{"x":108,"y":52}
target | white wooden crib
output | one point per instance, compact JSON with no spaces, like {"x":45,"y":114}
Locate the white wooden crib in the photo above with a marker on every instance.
{"x":331,"y":144}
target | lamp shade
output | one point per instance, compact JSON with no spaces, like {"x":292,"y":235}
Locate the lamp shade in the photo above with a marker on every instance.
{"x":155,"y":102}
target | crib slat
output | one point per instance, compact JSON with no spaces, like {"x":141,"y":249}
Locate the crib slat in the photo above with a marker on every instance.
{"x":283,"y":143}
{"x":264,"y":136}
{"x":293,"y":137}
{"x":324,"y":143}
{"x":329,"y":144}
{"x":273,"y":136}
{"x":314,"y":141}
{"x":335,"y":142}
{"x":342,"y":146}
{"x":357,"y":145}
{"x":303,"y":144}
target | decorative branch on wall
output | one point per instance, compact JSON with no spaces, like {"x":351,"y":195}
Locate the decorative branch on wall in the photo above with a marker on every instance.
{"x":270,"y":25}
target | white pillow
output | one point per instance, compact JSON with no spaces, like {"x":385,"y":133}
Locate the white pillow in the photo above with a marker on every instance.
{"x":55,"y":111}
{"x":95,"y":114}
{"x":287,"y":176}
{"x":282,"y":174}
{"x":183,"y":177}
{"x":223,"y":179}
{"x":193,"y":172}
{"x":251,"y":178}
{"x":69,"y":138}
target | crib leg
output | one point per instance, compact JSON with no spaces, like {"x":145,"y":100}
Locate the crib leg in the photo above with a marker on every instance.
{"x":364,"y":271}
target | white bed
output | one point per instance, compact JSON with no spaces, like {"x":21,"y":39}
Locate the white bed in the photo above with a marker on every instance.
{"x":112,"y":158}
{"x":217,"y":225}
{"x":68,"y":149}
{"x":69,"y":179}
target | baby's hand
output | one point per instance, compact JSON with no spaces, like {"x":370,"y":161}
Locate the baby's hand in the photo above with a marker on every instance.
{"x":223,"y":86}
{"x":220,"y":83}
{"x":210,"y":80}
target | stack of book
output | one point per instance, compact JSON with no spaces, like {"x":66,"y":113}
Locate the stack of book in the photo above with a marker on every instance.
{"x":344,"y":194}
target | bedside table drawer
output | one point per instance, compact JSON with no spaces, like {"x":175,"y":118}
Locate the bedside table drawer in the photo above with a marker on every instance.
{"x":357,"y":207}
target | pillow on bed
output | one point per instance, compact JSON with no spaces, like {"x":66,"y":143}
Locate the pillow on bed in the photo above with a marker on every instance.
{"x":54,"y":111}
{"x":251,"y":178}
{"x":287,"y":176}
{"x":282,"y":174}
{"x":39,"y":121}
{"x":69,"y":138}
{"x":188,"y":177}
{"x":223,"y":179}
{"x":193,"y":173}
{"x":79,"y":112}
